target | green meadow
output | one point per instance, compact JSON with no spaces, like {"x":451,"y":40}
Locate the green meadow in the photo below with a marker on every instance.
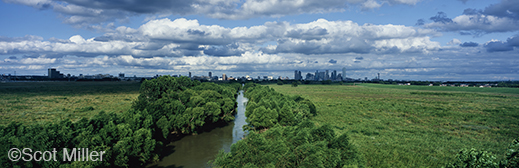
{"x":40,"y":102}
{"x":497,"y":90}
{"x":391,"y":125}
{"x":415,"y":126}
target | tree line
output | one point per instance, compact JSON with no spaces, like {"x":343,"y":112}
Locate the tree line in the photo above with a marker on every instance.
{"x":165,"y":106}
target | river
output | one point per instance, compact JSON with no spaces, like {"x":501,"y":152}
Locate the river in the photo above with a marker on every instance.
{"x":194,"y":151}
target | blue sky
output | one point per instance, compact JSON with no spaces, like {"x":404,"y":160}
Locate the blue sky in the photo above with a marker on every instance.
{"x":400,"y":39}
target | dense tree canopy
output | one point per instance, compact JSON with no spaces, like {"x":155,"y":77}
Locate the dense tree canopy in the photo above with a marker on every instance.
{"x":182,"y":105}
{"x":282,"y":136}
{"x":303,"y":145}
{"x":267,"y":108}
{"x":133,"y":138}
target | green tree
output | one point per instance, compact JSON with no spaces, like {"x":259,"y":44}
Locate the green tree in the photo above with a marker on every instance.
{"x":291,"y":146}
{"x":295,"y":83}
{"x":286,"y":116}
{"x":263,"y":118}
{"x":326,"y":82}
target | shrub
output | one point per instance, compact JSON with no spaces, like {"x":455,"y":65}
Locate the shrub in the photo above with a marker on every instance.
{"x":512,"y":155}
{"x":477,"y":158}
{"x":295,"y":83}
{"x":474,"y":158}
{"x":326,"y":82}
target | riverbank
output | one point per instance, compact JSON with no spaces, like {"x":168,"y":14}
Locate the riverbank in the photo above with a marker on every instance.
{"x":196,"y":150}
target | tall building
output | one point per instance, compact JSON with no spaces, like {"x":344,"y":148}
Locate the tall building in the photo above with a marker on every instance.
{"x":326,"y":75}
{"x":224,"y":77}
{"x":334,"y":75}
{"x":53,"y":74}
{"x":344,"y":73}
{"x":297,"y":75}
{"x":210,"y":75}
{"x":321,"y":76}
{"x":310,"y":76}
{"x":189,"y":74}
{"x":316,"y":76}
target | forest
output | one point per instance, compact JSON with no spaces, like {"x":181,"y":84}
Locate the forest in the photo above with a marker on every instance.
{"x":165,"y":106}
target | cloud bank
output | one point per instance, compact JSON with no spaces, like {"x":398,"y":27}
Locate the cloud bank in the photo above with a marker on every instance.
{"x":182,"y":37}
{"x":177,"y":46}
{"x":100,"y":14}
{"x":500,"y":17}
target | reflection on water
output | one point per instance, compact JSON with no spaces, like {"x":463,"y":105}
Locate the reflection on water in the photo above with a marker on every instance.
{"x":239,"y":122}
{"x":197,"y":150}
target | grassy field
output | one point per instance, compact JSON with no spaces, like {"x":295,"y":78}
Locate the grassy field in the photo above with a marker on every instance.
{"x":417,"y":126}
{"x":496,"y":90}
{"x":30,"y":102}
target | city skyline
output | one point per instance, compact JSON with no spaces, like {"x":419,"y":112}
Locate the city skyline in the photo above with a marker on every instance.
{"x":400,"y":39}
{"x":55,"y":75}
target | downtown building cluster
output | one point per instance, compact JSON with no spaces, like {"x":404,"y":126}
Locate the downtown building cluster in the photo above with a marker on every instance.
{"x":322,"y":75}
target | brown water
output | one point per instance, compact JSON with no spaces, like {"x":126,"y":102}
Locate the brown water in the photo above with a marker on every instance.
{"x":196,"y":150}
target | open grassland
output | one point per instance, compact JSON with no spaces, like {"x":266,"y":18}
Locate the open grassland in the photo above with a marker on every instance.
{"x":30,"y":102}
{"x":418,"y":126}
{"x":496,"y":90}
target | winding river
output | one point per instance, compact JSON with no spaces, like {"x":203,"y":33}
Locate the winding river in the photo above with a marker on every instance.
{"x":196,"y":150}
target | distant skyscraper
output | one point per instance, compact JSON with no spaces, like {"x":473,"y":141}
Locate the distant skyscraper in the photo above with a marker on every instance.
{"x":224,"y":77}
{"x":210,"y":75}
{"x":297,"y":75}
{"x":310,"y":76}
{"x":316,"y":76}
{"x":326,"y":75}
{"x":334,"y":75}
{"x":321,"y":75}
{"x":190,"y":74}
{"x":344,"y":73}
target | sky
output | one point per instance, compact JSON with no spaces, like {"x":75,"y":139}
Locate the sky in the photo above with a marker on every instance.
{"x":435,"y":40}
